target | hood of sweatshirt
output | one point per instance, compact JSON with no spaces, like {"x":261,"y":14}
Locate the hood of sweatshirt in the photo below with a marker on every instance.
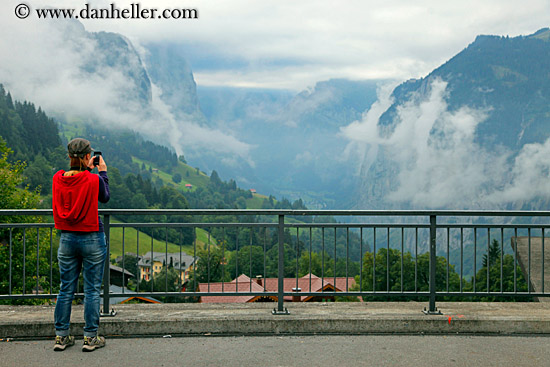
{"x":75,"y":200}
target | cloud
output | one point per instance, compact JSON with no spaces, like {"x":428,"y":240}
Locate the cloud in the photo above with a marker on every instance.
{"x":322,"y":39}
{"x":295,"y":44}
{"x":309,"y":101}
{"x":439,"y":163}
{"x":303,"y":159}
{"x":186,"y":133}
{"x":529,"y":177}
{"x":62,"y":68}
{"x":363,"y":135}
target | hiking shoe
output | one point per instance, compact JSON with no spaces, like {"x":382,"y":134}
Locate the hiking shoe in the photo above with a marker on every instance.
{"x":62,"y":342}
{"x":91,"y":343}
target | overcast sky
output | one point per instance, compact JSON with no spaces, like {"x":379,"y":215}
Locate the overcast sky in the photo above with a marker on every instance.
{"x":292,"y":44}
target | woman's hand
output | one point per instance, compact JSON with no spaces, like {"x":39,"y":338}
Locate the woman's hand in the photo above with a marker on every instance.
{"x":101,"y":167}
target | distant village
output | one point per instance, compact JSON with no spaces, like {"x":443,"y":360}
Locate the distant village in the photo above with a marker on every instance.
{"x":150,"y":264}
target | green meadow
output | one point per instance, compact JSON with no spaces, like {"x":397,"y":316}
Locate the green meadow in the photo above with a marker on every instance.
{"x":188,"y":174}
{"x":131,"y":240}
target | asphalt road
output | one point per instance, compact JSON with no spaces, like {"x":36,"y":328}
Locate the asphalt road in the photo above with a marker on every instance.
{"x":367,"y":350}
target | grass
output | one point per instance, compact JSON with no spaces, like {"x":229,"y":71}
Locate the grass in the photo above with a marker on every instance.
{"x":188,"y":174}
{"x":545,"y":36}
{"x":256,"y":201}
{"x":131,"y":237}
{"x":73,"y":129}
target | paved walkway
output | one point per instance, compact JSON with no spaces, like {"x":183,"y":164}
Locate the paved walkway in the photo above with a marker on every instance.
{"x":272,"y":351}
{"x":19,"y":322}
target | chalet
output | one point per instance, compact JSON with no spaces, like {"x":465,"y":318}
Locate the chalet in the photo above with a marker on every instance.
{"x":253,"y":191}
{"x":116,"y":275}
{"x":188,"y":186}
{"x":244,"y":284}
{"x":149,"y":265}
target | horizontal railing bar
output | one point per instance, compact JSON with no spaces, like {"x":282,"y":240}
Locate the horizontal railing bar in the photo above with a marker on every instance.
{"x":37,"y":296}
{"x":26,"y":225}
{"x":146,"y":294}
{"x":356,"y":225}
{"x":198,"y":225}
{"x":419,"y":293}
{"x":356,"y":293}
{"x":274,"y":225}
{"x":296,"y":213}
{"x":496,"y":294}
{"x":466,"y":295}
{"x":518,"y":226}
{"x":289,"y":294}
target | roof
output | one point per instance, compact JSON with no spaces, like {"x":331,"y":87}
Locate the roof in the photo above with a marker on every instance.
{"x":244,"y":284}
{"x":120,"y":270}
{"x":241,"y":286}
{"x":130,"y":295}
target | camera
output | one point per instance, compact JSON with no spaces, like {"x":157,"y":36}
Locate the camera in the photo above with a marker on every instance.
{"x":96,"y":158}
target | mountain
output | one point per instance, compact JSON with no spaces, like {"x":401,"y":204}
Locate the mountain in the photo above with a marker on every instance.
{"x":102,"y":78}
{"x":170,"y":71}
{"x":509,"y":75}
{"x":116,"y":52}
{"x":106,"y":56}
{"x":297,"y":148}
{"x":471,"y":134}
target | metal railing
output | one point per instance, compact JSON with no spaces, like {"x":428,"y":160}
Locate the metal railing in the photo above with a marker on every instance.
{"x":285,"y":254}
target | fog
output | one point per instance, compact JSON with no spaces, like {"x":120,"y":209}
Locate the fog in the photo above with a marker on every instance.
{"x":61,"y":68}
{"x":440,"y":164}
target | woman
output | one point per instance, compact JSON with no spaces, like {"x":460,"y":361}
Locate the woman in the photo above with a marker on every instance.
{"x":82,"y":243}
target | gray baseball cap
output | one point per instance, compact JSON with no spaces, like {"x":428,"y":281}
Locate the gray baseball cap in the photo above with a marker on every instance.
{"x":79,"y":148}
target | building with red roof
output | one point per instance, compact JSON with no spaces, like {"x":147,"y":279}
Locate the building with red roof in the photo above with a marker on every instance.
{"x":244,"y":284}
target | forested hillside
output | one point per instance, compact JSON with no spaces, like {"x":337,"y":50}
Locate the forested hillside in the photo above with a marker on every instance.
{"x":508,"y":76}
{"x":34,"y":139}
{"x":142,"y":174}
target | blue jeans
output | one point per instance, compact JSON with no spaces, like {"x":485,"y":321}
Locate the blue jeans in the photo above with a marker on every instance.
{"x":86,"y":252}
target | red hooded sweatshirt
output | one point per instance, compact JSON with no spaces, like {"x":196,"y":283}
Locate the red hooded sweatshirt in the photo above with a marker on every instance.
{"x":75,"y":201}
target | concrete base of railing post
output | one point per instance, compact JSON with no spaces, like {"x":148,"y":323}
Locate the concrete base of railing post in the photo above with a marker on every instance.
{"x":110,"y":314}
{"x":430,"y":312}
{"x":283,"y":312}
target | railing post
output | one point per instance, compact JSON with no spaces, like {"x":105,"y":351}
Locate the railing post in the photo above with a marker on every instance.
{"x":107,"y":269}
{"x":281,"y":273}
{"x":433,"y":261}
